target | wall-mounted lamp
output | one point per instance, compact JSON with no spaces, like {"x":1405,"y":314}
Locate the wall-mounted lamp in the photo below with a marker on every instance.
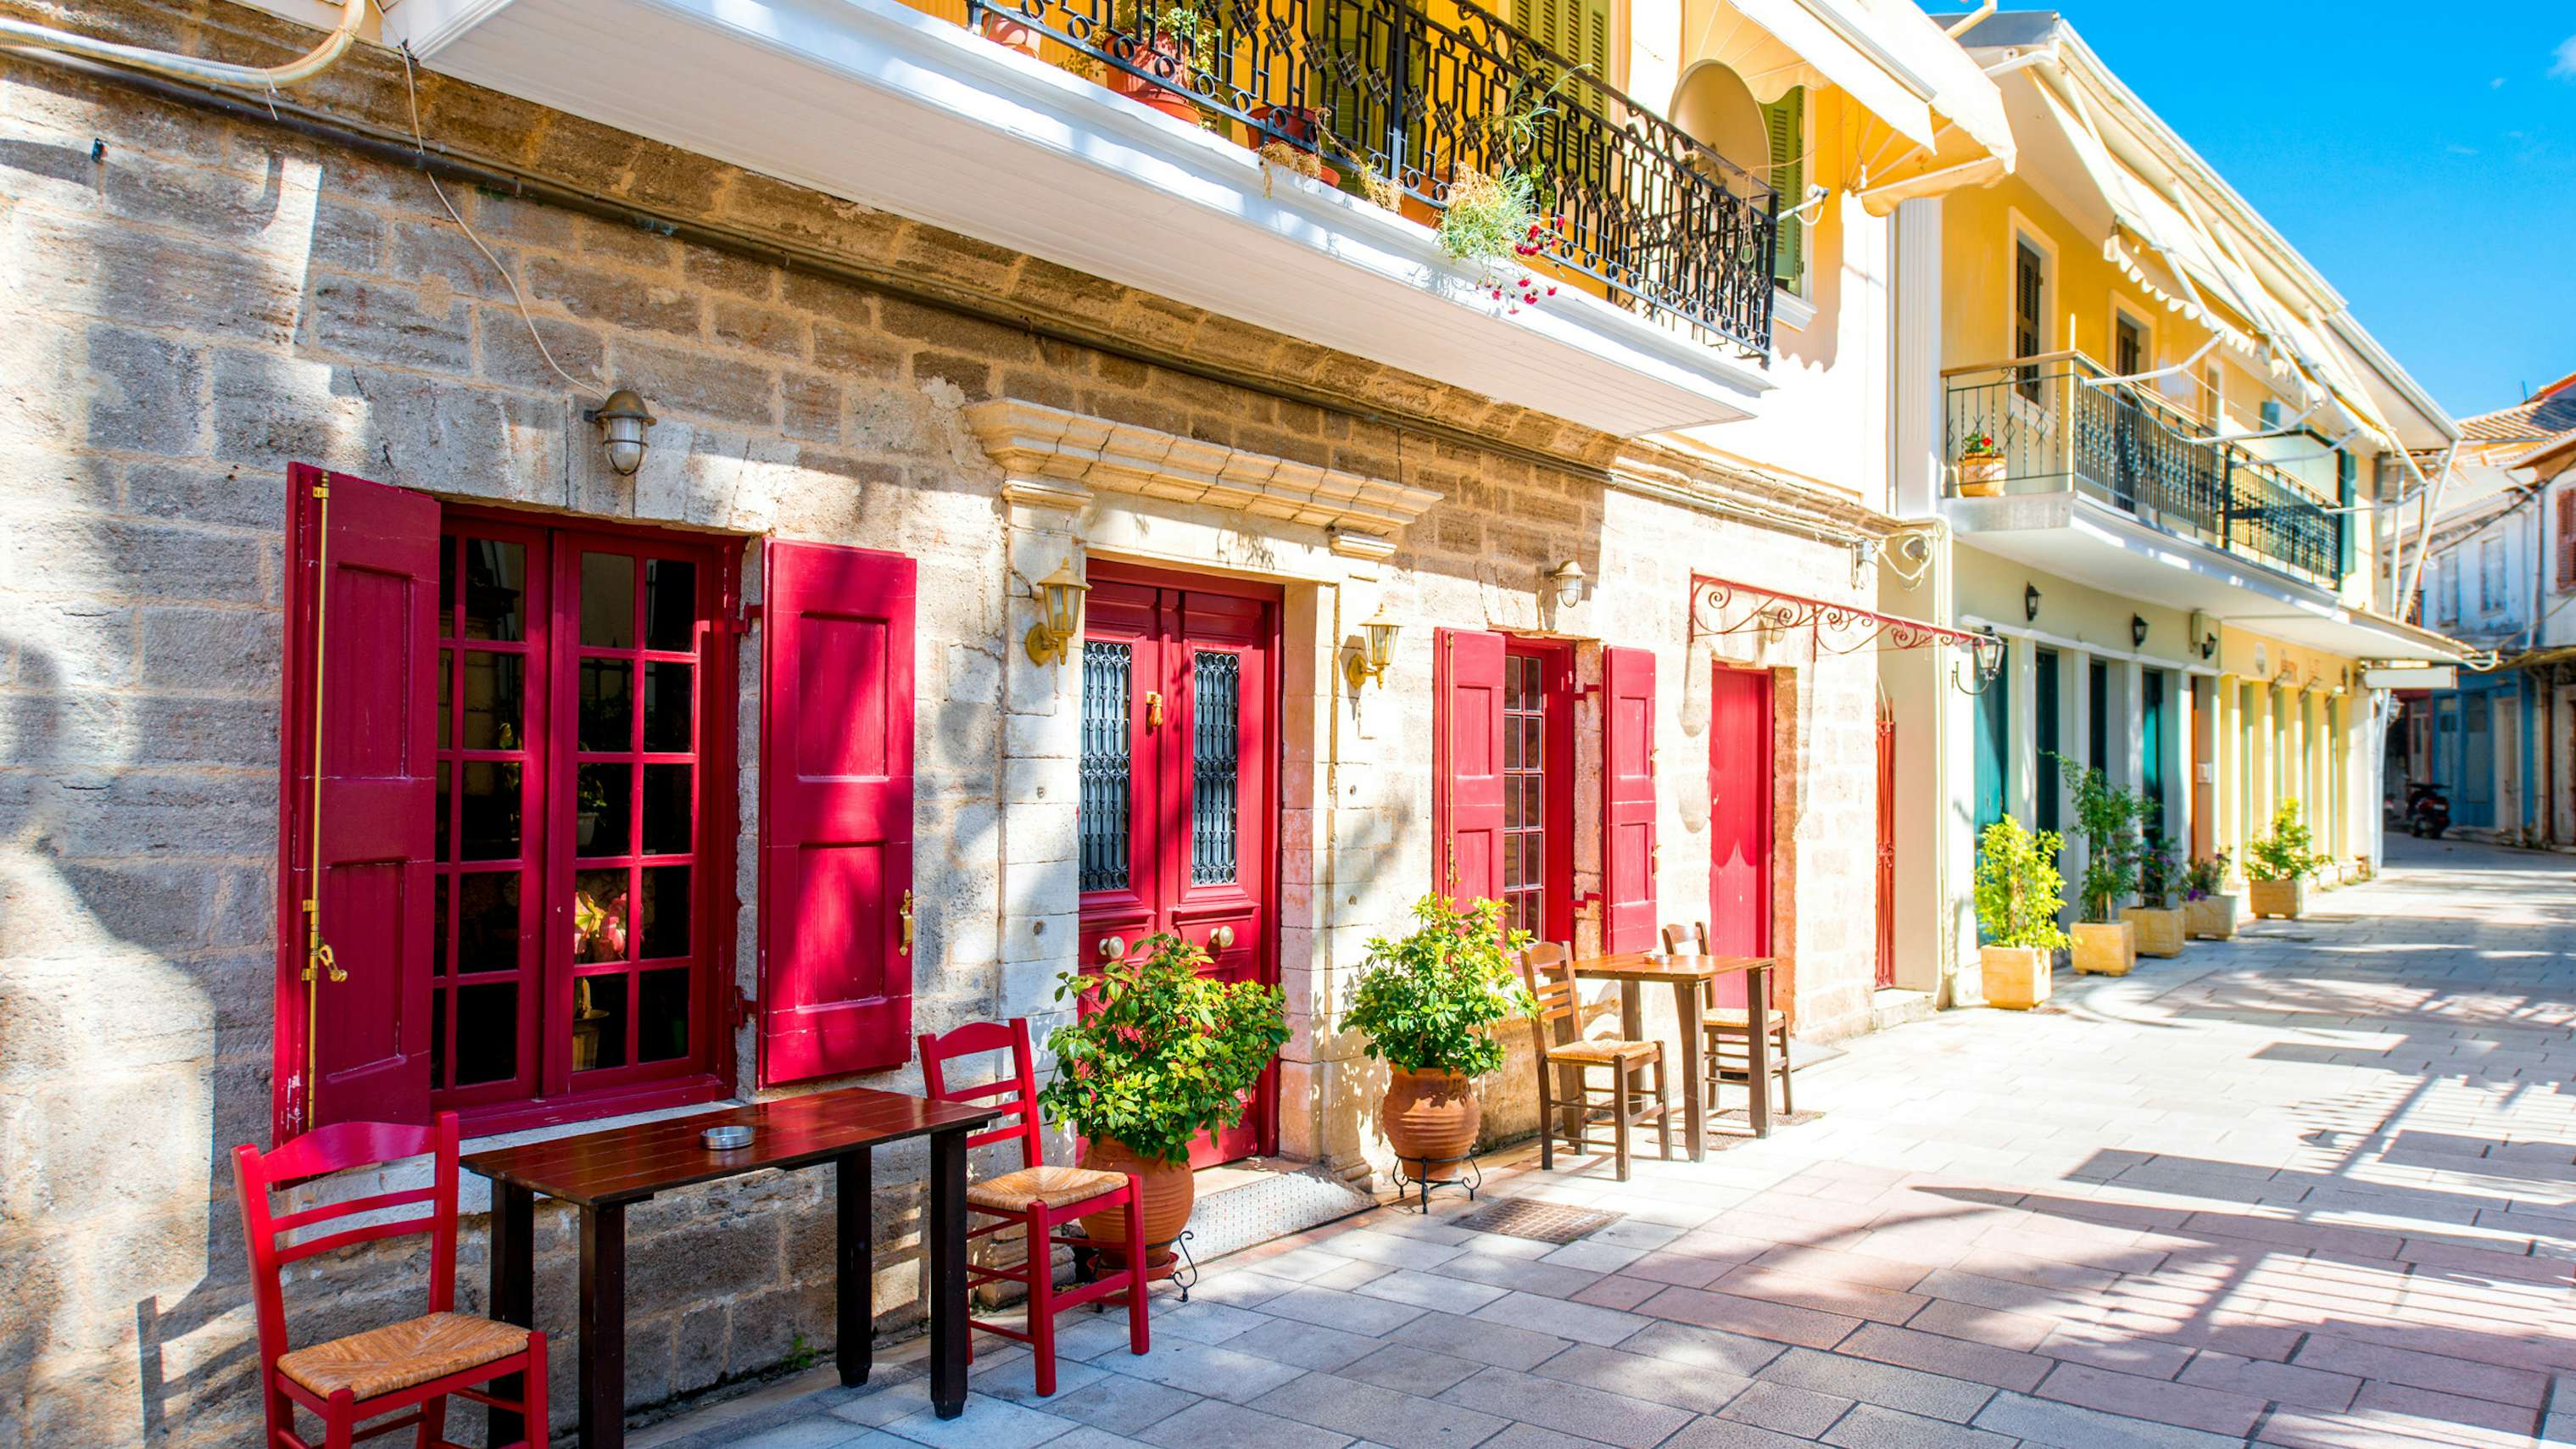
{"x":2137,"y":631}
{"x":1568,"y":580}
{"x":1059,"y":595}
{"x":1369,"y":662}
{"x":2030,"y":603}
{"x":622,"y":421}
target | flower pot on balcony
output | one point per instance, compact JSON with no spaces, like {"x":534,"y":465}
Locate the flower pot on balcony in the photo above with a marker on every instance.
{"x":1166,"y":57}
{"x":1008,"y":28}
{"x":2160,"y":931}
{"x":1299,"y":126}
{"x":2211,"y":918}
{"x":2284,"y":899}
{"x":1981,"y":475}
{"x":2017,"y":977}
{"x":2105,"y":949}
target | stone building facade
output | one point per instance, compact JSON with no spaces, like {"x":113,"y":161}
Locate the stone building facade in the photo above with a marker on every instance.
{"x":206,"y":294}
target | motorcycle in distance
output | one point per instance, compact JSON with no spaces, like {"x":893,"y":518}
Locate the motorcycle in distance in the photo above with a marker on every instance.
{"x":2428,"y":811}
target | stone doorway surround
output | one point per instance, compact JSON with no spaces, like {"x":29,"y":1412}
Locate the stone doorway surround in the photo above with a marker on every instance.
{"x":1077,"y":485}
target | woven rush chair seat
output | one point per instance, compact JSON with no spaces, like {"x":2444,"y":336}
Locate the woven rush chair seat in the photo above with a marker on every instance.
{"x":401,"y":1355}
{"x":1603,"y":1051}
{"x":1055,"y":1186}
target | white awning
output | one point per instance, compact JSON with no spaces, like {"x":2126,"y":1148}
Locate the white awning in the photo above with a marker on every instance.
{"x":1777,"y":44}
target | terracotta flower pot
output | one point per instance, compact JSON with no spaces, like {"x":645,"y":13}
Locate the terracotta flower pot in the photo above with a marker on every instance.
{"x":1007,"y":28}
{"x":2283,"y":898}
{"x":1170,"y":1193}
{"x":1303,"y":127}
{"x":2105,"y":949}
{"x":2017,"y":977}
{"x":1430,"y":1118}
{"x":1981,"y":475}
{"x":1165,"y":58}
{"x":2212,"y":918}
{"x":2160,"y":930}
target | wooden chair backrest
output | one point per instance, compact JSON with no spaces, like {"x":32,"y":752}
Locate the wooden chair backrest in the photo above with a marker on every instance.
{"x":1686,"y":940}
{"x":1547,"y":967}
{"x":1018,"y":1090}
{"x":340,"y":1147}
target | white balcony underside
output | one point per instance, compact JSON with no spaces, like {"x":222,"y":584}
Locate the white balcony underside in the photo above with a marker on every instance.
{"x":2076,"y":537}
{"x":883,"y":105}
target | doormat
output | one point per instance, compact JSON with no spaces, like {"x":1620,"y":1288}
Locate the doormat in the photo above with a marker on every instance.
{"x":1737,"y":1117}
{"x":1546,"y":1222}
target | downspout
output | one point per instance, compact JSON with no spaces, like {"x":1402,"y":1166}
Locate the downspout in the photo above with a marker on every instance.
{"x":22,"y":35}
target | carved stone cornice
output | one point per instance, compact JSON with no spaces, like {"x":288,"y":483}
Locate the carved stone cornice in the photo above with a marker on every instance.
{"x":1036,"y":445}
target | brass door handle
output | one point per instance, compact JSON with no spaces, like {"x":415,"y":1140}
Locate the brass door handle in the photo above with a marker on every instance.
{"x":903,"y":945}
{"x":1112,"y":947}
{"x":1153,"y":709}
{"x":1221,"y":939}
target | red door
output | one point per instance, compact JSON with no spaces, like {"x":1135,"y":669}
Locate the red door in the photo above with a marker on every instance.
{"x":1177,"y":824}
{"x":1739,"y":814}
{"x":1886,"y":845}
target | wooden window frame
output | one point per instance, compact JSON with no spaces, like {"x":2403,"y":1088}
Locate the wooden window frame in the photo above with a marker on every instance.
{"x":1555,"y":659}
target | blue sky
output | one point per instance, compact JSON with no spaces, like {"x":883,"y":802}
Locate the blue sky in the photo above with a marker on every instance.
{"x":2422,"y":157}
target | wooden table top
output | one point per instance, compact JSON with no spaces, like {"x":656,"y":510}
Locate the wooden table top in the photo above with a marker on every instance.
{"x":629,"y":1164}
{"x":1638,"y":966}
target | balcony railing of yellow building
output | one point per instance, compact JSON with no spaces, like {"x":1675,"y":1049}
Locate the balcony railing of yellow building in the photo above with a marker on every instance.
{"x":2060,"y":425}
{"x":1650,"y":218}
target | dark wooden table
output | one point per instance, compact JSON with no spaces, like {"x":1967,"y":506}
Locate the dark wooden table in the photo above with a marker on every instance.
{"x":604,"y":1172}
{"x":1689,"y":976}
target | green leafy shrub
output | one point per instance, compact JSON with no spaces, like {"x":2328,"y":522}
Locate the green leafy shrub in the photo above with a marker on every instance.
{"x":2017,"y":886}
{"x":2108,"y":817}
{"x":1162,"y":1055}
{"x":1429,"y":998}
{"x":2158,"y":876}
{"x":2288,"y":852}
{"x":2206,"y":876}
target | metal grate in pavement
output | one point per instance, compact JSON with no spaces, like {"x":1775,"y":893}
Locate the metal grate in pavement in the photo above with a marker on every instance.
{"x":1547,"y":1222}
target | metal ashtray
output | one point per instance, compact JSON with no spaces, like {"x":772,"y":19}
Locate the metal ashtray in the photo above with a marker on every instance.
{"x":725,"y":1139}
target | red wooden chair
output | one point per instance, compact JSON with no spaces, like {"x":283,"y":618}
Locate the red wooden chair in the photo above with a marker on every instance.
{"x":415,"y":1364}
{"x":1036,"y":1197}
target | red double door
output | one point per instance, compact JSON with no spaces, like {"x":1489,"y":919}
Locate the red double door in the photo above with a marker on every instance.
{"x":1177,"y":829}
{"x":1739,"y":822}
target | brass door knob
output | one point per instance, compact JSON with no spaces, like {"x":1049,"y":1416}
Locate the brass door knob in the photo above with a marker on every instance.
{"x":1112,"y":947}
{"x":1221,"y":939}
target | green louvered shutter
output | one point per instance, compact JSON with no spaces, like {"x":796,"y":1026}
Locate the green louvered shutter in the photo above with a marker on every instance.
{"x":2347,"y":489}
{"x":1579,"y":30}
{"x":1785,"y":122}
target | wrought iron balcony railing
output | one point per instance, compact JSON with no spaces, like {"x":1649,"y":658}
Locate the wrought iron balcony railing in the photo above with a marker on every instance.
{"x":1658,"y":221}
{"x":2059,"y":425}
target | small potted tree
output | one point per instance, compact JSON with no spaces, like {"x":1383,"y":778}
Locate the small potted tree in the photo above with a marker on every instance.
{"x":2277,"y":865}
{"x":1981,"y":466}
{"x":1157,"y":1057}
{"x":1428,"y":1003}
{"x":2157,"y":918}
{"x":2017,"y":888}
{"x":1167,"y":41}
{"x":2208,"y":911}
{"x":2108,"y":817}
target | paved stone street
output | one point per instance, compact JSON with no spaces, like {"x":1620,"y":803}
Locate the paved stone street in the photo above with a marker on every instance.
{"x":2309,"y":1189}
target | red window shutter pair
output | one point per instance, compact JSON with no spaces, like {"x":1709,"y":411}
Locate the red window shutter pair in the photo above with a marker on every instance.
{"x":1467,"y":800}
{"x":361,"y":639}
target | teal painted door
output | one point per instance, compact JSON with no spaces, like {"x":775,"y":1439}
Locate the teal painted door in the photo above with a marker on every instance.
{"x":2151,"y":751}
{"x":1994,"y":736}
{"x":2045,"y":745}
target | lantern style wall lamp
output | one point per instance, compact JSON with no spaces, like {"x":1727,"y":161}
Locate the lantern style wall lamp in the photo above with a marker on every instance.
{"x":2030,"y":603}
{"x":2137,"y":631}
{"x":1059,"y":596}
{"x":1568,"y":580}
{"x":1369,"y":662}
{"x":622,"y":421}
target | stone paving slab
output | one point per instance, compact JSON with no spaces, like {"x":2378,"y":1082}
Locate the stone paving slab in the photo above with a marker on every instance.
{"x":2311,"y":1189}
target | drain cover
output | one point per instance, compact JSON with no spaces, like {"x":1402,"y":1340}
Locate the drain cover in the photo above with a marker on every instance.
{"x":1547,"y":1222}
{"x":1736,"y":1117}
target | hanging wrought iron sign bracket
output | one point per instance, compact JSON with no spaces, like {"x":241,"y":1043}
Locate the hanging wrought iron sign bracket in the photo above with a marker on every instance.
{"x":1721,"y":608}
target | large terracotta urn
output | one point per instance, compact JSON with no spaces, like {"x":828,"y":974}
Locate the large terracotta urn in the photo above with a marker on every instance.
{"x":1430,"y":1118}
{"x":1170,"y":1193}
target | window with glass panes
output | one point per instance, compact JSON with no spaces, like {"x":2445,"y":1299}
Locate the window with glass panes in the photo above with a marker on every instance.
{"x":574,"y":715}
{"x":1525,"y":794}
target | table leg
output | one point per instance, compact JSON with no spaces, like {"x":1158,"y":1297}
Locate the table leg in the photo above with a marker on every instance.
{"x":855,"y":1286}
{"x":513,"y":1292}
{"x":603,"y":1326}
{"x":1686,"y":1006}
{"x":1632,"y":1013}
{"x":947,"y":1244}
{"x":1757,"y":1052}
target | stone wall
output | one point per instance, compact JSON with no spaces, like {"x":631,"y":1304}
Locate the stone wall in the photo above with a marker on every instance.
{"x":208,"y":301}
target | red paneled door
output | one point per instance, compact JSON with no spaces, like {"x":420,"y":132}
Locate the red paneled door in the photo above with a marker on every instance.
{"x":1177,"y":829}
{"x":1739,"y":814}
{"x":1886,"y":845}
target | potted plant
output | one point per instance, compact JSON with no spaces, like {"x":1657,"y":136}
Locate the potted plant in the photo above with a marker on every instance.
{"x":1166,"y":42}
{"x":1157,"y":1057}
{"x":2277,"y":865}
{"x":1305,"y":132}
{"x":2158,"y":920}
{"x":2017,"y":888}
{"x":599,"y":925}
{"x":2208,"y":911}
{"x":1005,"y":24}
{"x":2108,"y":817}
{"x":1981,"y":466}
{"x":1428,"y":1002}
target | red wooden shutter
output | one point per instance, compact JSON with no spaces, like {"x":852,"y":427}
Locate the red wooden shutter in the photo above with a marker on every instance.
{"x":835,"y":812}
{"x":1467,"y":768}
{"x":1627,"y":799}
{"x":2567,"y":539}
{"x":370,"y":629}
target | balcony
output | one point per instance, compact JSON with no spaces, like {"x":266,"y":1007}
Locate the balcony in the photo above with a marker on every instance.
{"x":1114,"y":138}
{"x":2064,"y":433}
